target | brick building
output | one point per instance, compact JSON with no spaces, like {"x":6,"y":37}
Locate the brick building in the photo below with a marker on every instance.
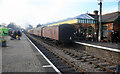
{"x":110,"y":21}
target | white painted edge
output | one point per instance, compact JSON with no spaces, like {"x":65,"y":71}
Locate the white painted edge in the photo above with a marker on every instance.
{"x":101,"y":47}
{"x":44,"y":56}
{"x":47,"y":66}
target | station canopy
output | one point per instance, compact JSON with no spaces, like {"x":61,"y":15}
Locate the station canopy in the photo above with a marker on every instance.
{"x":83,"y":18}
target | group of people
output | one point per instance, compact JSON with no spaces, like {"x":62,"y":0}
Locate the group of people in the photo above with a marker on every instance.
{"x":15,"y":35}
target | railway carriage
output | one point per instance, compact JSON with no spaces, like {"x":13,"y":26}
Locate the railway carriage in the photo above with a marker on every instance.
{"x":38,"y":30}
{"x":31,"y":31}
{"x":60,"y":33}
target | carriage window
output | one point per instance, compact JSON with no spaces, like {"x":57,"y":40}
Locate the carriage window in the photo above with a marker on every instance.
{"x":51,"y":31}
{"x":48,"y":31}
{"x":54,"y":31}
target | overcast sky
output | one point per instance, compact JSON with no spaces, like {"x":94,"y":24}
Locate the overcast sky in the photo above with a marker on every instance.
{"x":23,"y":12}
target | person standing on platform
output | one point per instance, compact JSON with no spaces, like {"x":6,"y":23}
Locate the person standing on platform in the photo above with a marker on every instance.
{"x":112,"y":36}
{"x":14,"y":34}
{"x":19,"y":34}
{"x":116,"y":36}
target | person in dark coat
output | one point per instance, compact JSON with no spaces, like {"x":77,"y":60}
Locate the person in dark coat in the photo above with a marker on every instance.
{"x":19,"y":34}
{"x":10,"y":32}
{"x":116,"y":36}
{"x":113,"y":36}
{"x":78,"y":34}
{"x":14,"y":34}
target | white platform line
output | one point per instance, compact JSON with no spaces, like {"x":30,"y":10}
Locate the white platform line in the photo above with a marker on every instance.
{"x":47,"y":66}
{"x":45,"y":57}
{"x":101,"y":47}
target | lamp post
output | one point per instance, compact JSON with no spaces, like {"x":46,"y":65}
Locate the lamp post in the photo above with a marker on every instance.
{"x":100,"y":22}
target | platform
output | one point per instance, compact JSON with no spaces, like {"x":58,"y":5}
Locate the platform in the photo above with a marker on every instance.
{"x":105,"y":45}
{"x":22,"y":56}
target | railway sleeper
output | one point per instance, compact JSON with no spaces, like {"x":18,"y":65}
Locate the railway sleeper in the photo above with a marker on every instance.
{"x":106,"y":65}
{"x":68,"y":53}
{"x":103,"y":63}
{"x":54,"y":59}
{"x":74,"y":56}
{"x":93,"y":59}
{"x":105,"y":69}
{"x":60,"y":64}
{"x":64,"y":66}
{"x":68,"y":70}
{"x":113,"y":68}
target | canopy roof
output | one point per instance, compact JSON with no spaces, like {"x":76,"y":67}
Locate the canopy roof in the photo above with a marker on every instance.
{"x":82,"y":17}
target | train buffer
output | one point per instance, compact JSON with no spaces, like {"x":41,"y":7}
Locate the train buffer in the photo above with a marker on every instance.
{"x":22,"y":56}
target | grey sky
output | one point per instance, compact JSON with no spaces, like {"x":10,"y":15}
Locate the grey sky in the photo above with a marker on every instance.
{"x":33,"y":12}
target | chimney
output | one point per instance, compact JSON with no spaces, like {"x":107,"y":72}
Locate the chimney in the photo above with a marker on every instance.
{"x":96,"y":12}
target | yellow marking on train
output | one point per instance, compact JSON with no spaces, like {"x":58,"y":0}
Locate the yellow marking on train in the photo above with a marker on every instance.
{"x":65,"y":22}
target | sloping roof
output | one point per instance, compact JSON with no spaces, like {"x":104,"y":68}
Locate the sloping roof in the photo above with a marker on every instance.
{"x":84,"y":16}
{"x":110,"y":17}
{"x":94,"y":16}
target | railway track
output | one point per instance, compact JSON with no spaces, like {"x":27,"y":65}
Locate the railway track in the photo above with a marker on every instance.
{"x":60,"y":62}
{"x":100,"y":65}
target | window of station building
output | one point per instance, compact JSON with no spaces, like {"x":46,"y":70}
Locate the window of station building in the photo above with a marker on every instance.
{"x":81,"y":20}
{"x":94,"y":21}
{"x":88,"y":20}
{"x":85,"y":20}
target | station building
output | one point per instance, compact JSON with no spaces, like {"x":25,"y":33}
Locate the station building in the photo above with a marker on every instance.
{"x":110,"y":21}
{"x":87,"y":25}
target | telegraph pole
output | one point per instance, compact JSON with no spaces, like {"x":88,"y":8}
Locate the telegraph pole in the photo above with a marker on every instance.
{"x":100,"y":22}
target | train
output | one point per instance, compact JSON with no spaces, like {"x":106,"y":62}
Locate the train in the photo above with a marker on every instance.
{"x":63,"y":33}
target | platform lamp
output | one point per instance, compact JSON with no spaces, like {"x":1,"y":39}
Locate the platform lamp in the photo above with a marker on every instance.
{"x":100,"y":21}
